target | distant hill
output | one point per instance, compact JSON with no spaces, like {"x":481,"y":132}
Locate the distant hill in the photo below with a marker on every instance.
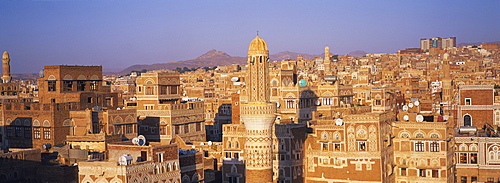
{"x":210,"y":59}
{"x":357,"y":53}
{"x":289,"y":55}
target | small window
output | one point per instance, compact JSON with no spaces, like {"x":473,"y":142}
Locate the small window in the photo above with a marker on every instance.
{"x":419,"y":146}
{"x":463,"y":179}
{"x":403,"y":171}
{"x":67,"y":85}
{"x":473,"y":158}
{"x":51,"y":86}
{"x":421,"y":173}
{"x":435,"y":173}
{"x":468,"y":101}
{"x":462,"y":158}
{"x":324,"y":146}
{"x":434,"y":146}
{"x":361,"y":145}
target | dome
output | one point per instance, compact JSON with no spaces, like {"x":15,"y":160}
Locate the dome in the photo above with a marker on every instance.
{"x":257,"y":45}
{"x":5,"y":55}
{"x":302,"y":83}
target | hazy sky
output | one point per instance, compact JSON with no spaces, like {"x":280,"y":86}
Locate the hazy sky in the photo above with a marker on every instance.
{"x":117,"y":34}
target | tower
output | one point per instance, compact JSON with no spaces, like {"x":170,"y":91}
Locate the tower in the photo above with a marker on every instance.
{"x":6,"y":68}
{"x":447,"y":87}
{"x":327,"y":60}
{"x":258,"y":115}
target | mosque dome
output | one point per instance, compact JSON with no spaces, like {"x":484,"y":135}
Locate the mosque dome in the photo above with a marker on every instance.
{"x":257,"y":45}
{"x":5,"y":55}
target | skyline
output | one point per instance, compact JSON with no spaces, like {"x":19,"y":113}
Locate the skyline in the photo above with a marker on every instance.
{"x":118,"y":35}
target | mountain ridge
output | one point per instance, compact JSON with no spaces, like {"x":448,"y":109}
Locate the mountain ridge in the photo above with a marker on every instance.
{"x":210,"y":59}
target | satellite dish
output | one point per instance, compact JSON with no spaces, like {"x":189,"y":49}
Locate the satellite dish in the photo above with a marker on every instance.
{"x":417,"y":103}
{"x":410,"y":105}
{"x":446,"y":117}
{"x":318,"y":102}
{"x":202,"y":143}
{"x":278,"y":104}
{"x":235,"y":79}
{"x":406,"y":118}
{"x":142,"y":140}
{"x":126,"y":159}
{"x":339,"y":122}
{"x":46,"y":146}
{"x":135,"y":141}
{"x":405,"y":108}
{"x":420,"y":118}
{"x":209,"y":143}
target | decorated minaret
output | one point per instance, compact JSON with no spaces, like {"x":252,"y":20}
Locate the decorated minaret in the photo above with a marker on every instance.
{"x":327,"y":61}
{"x":258,"y":115}
{"x":6,"y":67}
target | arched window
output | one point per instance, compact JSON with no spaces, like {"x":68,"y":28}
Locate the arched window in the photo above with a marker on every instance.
{"x":405,"y":135}
{"x":419,"y":135}
{"x":467,"y":120}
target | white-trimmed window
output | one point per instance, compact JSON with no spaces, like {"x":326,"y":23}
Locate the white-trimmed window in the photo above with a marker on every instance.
{"x":419,"y":146}
{"x":434,"y":146}
{"x":468,"y":101}
{"x":290,"y":103}
{"x":327,"y":101}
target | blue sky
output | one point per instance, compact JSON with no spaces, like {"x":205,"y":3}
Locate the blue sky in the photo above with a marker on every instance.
{"x":117,"y":34}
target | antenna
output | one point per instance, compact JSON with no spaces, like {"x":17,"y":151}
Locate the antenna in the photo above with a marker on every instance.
{"x":257,"y":33}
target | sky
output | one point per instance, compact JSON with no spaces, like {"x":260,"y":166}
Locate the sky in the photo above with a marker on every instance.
{"x":121,"y":33}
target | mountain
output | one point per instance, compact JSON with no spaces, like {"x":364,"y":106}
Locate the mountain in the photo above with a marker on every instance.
{"x":210,"y":59}
{"x":289,"y":55}
{"x":357,"y":53}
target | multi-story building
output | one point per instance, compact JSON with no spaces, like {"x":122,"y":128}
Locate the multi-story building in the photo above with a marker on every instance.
{"x":354,"y":148}
{"x":423,"y":151}
{"x":161,"y":111}
{"x":477,"y":139}
{"x":437,"y":42}
{"x":134,"y":163}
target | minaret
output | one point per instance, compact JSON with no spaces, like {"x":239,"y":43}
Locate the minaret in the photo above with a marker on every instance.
{"x":327,"y":60}
{"x":258,"y":115}
{"x":6,"y":67}
{"x":447,"y":88}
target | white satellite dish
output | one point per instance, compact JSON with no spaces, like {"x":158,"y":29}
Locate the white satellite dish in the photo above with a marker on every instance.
{"x":420,"y":118}
{"x":126,"y":159}
{"x":405,"y":108}
{"x":135,"y":141}
{"x":410,"y":105}
{"x":318,"y":102}
{"x":446,"y":117}
{"x":417,"y":103}
{"x":406,"y":118}
{"x":209,"y":143}
{"x":235,"y":79}
{"x":339,"y":122}
{"x":278,"y":104}
{"x":142,"y":140}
